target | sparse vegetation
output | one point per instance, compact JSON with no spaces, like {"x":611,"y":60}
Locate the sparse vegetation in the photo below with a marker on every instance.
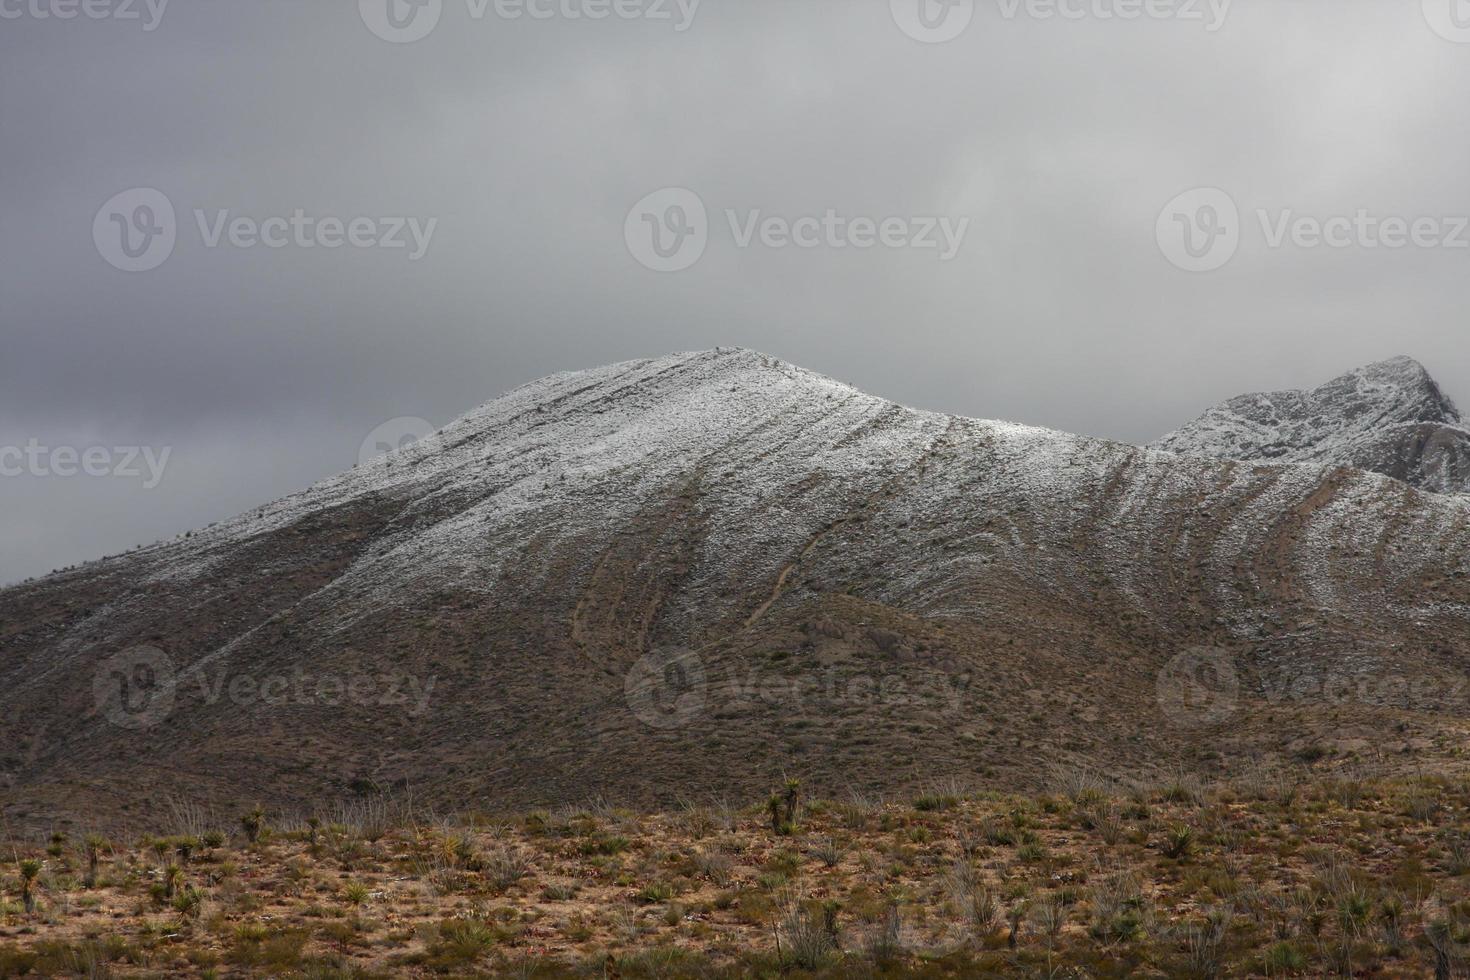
{"x":1210,"y":882}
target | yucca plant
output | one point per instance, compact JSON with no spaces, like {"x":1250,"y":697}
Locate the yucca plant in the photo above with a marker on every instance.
{"x":29,"y":870}
{"x":189,"y":902}
{"x":93,"y":846}
{"x":1179,"y":842}
{"x":1015,"y":915}
{"x":253,"y":823}
{"x":782,"y":807}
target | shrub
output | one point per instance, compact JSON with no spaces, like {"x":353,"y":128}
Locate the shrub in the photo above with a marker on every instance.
{"x":1120,"y":911}
{"x":1031,"y":852}
{"x":883,"y":942}
{"x":1201,"y":945}
{"x":1353,"y":908}
{"x":829,"y":851}
{"x":807,"y":936}
{"x":976,"y":902}
{"x":1178,"y":842}
{"x":1050,"y":918}
{"x":1284,"y":957}
{"x":1391,"y":922}
{"x":997,"y":834}
{"x":714,"y":866}
{"x":463,"y":941}
{"x":700,"y":821}
{"x":1104,"y":818}
{"x":1457,"y":853}
{"x":1312,"y":753}
{"x":1422,"y":807}
{"x":1184,"y":788}
{"x":602,"y":846}
{"x":505,"y":866}
{"x":782,"y":808}
{"x":858,"y":811}
{"x":273,"y":952}
{"x":1081,"y":785}
{"x":658,"y":891}
{"x":934,"y":802}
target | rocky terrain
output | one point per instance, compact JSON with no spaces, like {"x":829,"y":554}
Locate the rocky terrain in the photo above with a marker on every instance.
{"x":1389,"y":417}
{"x":688,"y":576}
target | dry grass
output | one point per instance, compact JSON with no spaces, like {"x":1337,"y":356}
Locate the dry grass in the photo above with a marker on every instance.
{"x":1177,"y":881}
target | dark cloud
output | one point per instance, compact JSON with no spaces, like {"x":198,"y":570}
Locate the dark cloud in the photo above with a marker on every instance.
{"x":530,"y":140}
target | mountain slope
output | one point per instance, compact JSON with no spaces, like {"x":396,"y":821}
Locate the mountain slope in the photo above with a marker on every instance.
{"x":1389,"y":417}
{"x":683,"y":576}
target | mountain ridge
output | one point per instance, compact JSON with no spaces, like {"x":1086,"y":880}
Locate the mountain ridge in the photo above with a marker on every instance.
{"x":544,"y":563}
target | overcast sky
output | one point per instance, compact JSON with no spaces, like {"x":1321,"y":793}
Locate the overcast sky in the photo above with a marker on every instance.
{"x":523,"y":145}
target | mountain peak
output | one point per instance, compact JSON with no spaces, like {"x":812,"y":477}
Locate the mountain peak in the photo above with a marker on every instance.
{"x":1400,"y":363}
{"x":1389,"y":417}
{"x":1400,"y":384}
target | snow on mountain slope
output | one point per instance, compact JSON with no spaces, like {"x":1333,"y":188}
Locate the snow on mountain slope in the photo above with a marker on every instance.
{"x":529,"y":463}
{"x":788,"y":529}
{"x":1389,"y":417}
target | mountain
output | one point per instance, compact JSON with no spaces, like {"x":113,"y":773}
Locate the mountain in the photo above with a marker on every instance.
{"x":1389,"y":417}
{"x":685,"y":576}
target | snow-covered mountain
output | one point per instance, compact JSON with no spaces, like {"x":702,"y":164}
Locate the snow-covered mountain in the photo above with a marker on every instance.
{"x":1389,"y":417}
{"x":684,"y":575}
